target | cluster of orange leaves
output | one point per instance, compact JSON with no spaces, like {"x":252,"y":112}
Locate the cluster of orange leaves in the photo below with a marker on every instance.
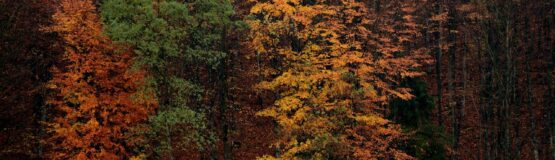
{"x":97,"y":98}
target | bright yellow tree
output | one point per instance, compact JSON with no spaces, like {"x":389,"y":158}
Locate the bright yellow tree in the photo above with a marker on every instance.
{"x":336,"y":65}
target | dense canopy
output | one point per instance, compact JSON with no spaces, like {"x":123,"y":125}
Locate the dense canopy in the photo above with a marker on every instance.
{"x":277,"y":79}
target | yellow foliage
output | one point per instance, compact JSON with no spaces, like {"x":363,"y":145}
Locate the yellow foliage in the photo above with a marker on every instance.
{"x":333,"y":69}
{"x":371,"y":120}
{"x":138,"y":157}
{"x":267,"y":157}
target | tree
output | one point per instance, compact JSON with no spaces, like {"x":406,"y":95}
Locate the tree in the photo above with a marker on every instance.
{"x":426,"y":140}
{"x":212,"y":28}
{"x":496,"y":94}
{"x":335,"y":66}
{"x":184,"y":47}
{"x":96,"y":97}
{"x":26,"y":53}
{"x":156,"y":30}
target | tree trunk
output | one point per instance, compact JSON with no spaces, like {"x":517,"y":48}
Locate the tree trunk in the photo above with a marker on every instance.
{"x":529,"y":101}
{"x":453,"y":97}
{"x":550,"y":67}
{"x":437,"y":38}
{"x":505,"y":131}
{"x":169,"y":142}
{"x":223,"y":98}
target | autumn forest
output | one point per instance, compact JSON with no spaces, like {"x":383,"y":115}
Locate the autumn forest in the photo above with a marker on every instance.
{"x":277,"y":79}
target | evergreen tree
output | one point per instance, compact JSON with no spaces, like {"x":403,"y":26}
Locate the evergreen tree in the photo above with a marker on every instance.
{"x":182,"y":45}
{"x":426,"y":141}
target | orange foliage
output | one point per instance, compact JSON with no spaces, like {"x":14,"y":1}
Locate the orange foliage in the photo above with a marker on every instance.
{"x":96,"y":97}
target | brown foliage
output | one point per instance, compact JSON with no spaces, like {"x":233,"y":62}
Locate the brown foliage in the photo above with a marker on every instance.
{"x":26,"y":53}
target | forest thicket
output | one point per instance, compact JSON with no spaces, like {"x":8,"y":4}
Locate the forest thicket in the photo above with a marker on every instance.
{"x":277,"y":79}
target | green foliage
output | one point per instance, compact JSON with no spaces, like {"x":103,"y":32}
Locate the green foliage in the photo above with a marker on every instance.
{"x":170,"y":29}
{"x":135,"y":22}
{"x":170,"y":38}
{"x":211,"y":20}
{"x":427,"y":140}
{"x":157,"y":33}
{"x":184,"y":123}
{"x":415,"y":112}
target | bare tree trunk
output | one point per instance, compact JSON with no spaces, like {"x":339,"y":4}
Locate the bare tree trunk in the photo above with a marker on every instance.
{"x":463,"y":93}
{"x":222,"y":73}
{"x":453,"y":97}
{"x":169,"y":142}
{"x":485,"y":98}
{"x":529,"y":101}
{"x":507,"y":93}
{"x":483,"y":138}
{"x":550,"y":67}
{"x":437,"y":38}
{"x":483,"y":124}
{"x":493,"y":87}
{"x":42,"y":117}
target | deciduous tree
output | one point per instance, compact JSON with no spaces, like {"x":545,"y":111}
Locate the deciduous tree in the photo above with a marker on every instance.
{"x":96,"y":97}
{"x":336,"y":65}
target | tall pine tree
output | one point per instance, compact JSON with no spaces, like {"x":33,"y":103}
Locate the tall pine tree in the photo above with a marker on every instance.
{"x":183,"y":45}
